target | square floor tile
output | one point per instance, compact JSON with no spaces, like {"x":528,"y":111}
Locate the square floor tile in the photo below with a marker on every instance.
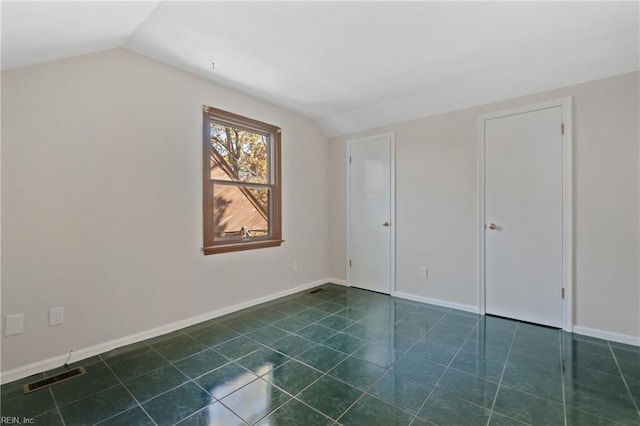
{"x":180,"y":347}
{"x":442,"y":354}
{"x":154,"y":383}
{"x":336,"y":322}
{"x":410,"y":329}
{"x":312,"y":315}
{"x":369,"y":330}
{"x":465,"y":318}
{"x":175,"y":405}
{"x":534,"y":363}
{"x":453,"y":327}
{"x":262,"y":361}
{"x":292,"y":345}
{"x":238,"y":347}
{"x":604,"y":363}
{"x":14,"y":389}
{"x":129,"y":367}
{"x":381,"y":355}
{"x":267,"y":334}
{"x":80,"y":387}
{"x":330,"y":307}
{"x":357,"y":372}
{"x":444,"y":409}
{"x":484,"y":368}
{"x":401,"y":391}
{"x":201,"y":363}
{"x":226,"y":379}
{"x":295,"y":413}
{"x":51,"y":418}
{"x":353,"y":313}
{"x":98,"y":407}
{"x":544,"y":385}
{"x":419,"y":421}
{"x":322,"y":357}
{"x":215,"y":335}
{"x":468,"y":387}
{"x":316,"y":332}
{"x":292,"y":323}
{"x":256,"y":400}
{"x":215,"y":414}
{"x":575,"y":343}
{"x":371,"y":411}
{"x":292,"y":376}
{"x":330,"y":396}
{"x":420,"y":369}
{"x":611,"y":384}
{"x":596,"y":402}
{"x":268,"y":315}
{"x":528,"y":408}
{"x":133,"y":416}
{"x":579,"y":418}
{"x":345,"y":343}
{"x":626,"y":353}
{"x":498,"y":419}
{"x":428,"y":319}
{"x":542,"y":352}
{"x":243,"y":324}
{"x":30,"y":405}
{"x":629,"y":371}
{"x":445,"y":338}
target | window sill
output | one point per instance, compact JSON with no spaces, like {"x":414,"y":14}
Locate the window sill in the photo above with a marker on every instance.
{"x":251,"y":245}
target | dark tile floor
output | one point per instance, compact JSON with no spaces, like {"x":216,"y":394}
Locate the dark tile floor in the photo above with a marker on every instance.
{"x":351,"y":357}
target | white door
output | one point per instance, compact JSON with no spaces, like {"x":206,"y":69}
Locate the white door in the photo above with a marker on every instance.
{"x":370,"y":226}
{"x":523,"y":215}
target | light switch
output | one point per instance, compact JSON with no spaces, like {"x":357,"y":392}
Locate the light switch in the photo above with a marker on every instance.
{"x":13,"y":324}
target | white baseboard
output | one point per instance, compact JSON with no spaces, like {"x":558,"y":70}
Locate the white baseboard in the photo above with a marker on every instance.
{"x":438,"y":302}
{"x":79,"y":355}
{"x":337,"y":281}
{"x":607,"y":335}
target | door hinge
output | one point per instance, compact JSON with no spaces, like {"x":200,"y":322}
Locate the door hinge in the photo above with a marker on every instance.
{"x":563,"y":293}
{"x":562,"y":129}
{"x":349,"y":263}
{"x":349,"y":159}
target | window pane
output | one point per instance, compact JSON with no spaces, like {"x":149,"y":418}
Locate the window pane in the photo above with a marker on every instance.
{"x":240,"y":212}
{"x":238,"y":155}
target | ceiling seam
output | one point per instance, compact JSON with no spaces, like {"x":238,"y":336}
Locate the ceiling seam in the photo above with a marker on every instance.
{"x":140,"y":24}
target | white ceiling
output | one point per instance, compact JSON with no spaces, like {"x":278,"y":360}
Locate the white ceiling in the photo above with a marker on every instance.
{"x":349,"y":66}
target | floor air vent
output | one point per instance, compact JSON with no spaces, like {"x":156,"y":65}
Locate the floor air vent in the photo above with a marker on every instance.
{"x":317,"y":290}
{"x":50,"y":381}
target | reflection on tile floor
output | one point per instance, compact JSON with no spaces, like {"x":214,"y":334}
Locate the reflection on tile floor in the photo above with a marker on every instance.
{"x":351,"y":357}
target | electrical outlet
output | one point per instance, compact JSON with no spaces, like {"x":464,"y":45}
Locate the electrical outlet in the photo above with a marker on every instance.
{"x":13,"y":324}
{"x":56,"y":316}
{"x":294,"y":265}
{"x":424,"y":272}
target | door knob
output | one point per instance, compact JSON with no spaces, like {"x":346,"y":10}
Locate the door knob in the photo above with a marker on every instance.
{"x":386,"y":224}
{"x":492,"y":226}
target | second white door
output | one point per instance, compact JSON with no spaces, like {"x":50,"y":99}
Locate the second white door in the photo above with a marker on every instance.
{"x":523,"y":214}
{"x":370,"y":227}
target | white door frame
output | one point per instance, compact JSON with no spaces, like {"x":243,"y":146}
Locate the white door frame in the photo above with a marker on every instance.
{"x":567,"y":201}
{"x":392,"y":170}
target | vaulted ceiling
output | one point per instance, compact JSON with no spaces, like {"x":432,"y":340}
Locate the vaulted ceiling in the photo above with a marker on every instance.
{"x":349,"y":66}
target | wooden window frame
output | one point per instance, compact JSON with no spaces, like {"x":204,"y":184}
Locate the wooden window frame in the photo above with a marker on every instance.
{"x":274,"y":239}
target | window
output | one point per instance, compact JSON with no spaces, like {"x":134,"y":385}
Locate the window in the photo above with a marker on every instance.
{"x":241,"y":183}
